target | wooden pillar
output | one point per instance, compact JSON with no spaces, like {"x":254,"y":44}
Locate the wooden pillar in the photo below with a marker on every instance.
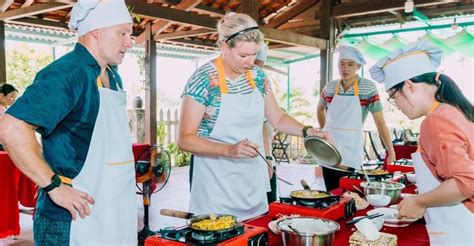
{"x":150,"y":87}
{"x":250,"y":7}
{"x":3,"y":54}
{"x":328,"y":33}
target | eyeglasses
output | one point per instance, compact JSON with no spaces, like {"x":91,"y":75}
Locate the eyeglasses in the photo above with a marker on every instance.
{"x":391,"y":97}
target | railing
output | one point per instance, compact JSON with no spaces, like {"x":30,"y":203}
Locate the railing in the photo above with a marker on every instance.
{"x":170,"y":125}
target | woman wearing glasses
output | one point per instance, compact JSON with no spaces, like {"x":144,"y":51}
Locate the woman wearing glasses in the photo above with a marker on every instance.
{"x":343,"y":109}
{"x":444,"y":164}
{"x":222,"y":113}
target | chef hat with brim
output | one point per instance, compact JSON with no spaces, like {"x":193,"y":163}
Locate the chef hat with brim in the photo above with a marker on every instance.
{"x":263,"y":52}
{"x":412,"y":60}
{"x":351,"y":53}
{"x":88,"y":15}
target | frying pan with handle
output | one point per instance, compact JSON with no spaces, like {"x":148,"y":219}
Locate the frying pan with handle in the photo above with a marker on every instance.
{"x":192,"y":219}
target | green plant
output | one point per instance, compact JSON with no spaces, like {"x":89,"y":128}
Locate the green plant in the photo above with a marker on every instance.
{"x":161,"y":133}
{"x":181,"y":158}
{"x":23,"y":62}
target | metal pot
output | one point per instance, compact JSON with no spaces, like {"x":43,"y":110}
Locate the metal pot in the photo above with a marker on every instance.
{"x":292,"y":237}
{"x":391,"y":189}
{"x":192,"y":219}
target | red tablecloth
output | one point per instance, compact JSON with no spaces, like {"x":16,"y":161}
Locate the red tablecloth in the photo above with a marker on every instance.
{"x":413,"y":235}
{"x":9,"y":212}
{"x":138,"y":148}
{"x":404,"y":151}
{"x":14,"y":187}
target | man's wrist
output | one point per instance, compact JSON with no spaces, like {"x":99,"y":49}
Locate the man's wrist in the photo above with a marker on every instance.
{"x":55,"y":183}
{"x":305,"y":130}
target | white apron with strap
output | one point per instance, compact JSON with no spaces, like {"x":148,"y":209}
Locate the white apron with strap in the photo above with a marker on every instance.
{"x":108,"y":175}
{"x":344,"y":123}
{"x":233,"y":186}
{"x":447,"y":225}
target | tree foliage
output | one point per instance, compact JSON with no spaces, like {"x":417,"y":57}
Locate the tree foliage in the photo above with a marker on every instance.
{"x":23,"y":62}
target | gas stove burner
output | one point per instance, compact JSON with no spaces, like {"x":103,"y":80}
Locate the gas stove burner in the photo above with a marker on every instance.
{"x":204,"y":237}
{"x":189,"y":235}
{"x":319,"y":204}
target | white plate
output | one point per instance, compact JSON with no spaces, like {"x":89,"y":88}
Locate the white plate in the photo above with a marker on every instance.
{"x":273,"y":227}
{"x":273,"y":224}
{"x":390,"y":217}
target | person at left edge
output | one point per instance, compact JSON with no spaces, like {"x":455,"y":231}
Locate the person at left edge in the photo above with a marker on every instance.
{"x":222,"y":113}
{"x":77,"y":104}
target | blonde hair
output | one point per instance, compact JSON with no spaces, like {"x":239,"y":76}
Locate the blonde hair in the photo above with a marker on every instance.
{"x":233,"y":23}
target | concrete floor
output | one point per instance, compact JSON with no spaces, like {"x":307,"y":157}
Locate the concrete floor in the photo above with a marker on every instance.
{"x":175,"y":195}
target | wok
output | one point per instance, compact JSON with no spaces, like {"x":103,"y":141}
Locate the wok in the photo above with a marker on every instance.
{"x":306,"y":196}
{"x":192,"y":219}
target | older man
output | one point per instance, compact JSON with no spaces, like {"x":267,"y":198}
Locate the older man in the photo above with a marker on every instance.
{"x":78,"y":106}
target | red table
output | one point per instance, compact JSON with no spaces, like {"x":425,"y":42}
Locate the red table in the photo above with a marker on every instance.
{"x":9,"y":212}
{"x":404,"y":151}
{"x":413,"y":235}
{"x":16,"y":187}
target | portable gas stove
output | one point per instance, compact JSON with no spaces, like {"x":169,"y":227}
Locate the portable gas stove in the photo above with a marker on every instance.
{"x":332,"y":208}
{"x":239,"y":236}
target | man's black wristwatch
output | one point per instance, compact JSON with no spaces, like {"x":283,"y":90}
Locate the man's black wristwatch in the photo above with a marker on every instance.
{"x":269,"y":158}
{"x":55,"y":182}
{"x":305,"y":129}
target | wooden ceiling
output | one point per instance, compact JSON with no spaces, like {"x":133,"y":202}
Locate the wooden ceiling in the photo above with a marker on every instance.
{"x":192,"y":22}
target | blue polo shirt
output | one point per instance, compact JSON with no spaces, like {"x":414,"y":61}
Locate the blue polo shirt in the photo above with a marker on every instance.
{"x":63,"y":102}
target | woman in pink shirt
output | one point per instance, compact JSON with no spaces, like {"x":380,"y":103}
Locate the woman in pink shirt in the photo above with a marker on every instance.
{"x":444,"y":164}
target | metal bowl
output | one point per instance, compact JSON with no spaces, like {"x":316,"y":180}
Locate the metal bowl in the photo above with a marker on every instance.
{"x":385,"y":188}
{"x":294,"y":237}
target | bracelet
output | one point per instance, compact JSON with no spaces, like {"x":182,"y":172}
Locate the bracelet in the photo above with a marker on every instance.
{"x":269,"y":158}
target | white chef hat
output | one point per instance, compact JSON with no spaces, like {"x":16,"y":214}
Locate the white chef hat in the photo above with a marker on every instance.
{"x":88,"y":15}
{"x":351,"y":53}
{"x":262,"y":53}
{"x":412,"y":60}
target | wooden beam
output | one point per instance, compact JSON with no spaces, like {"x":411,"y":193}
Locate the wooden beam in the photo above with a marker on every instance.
{"x":292,"y":38}
{"x":250,"y":7}
{"x":356,"y":9}
{"x":196,"y":43}
{"x":290,"y":13}
{"x":184,"y":34}
{"x":3,"y":54}
{"x":175,"y":15}
{"x":33,"y":10}
{"x":5,"y":4}
{"x":150,"y":88}
{"x":204,"y":9}
{"x":327,"y":32}
{"x":40,"y":22}
{"x":159,"y":26}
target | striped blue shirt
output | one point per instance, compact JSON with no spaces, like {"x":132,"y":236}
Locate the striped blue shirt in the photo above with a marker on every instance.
{"x":203,"y":86}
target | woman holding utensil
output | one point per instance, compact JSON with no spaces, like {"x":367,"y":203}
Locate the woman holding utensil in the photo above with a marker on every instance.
{"x":343,"y":109}
{"x":225,"y":102}
{"x":444,"y":163}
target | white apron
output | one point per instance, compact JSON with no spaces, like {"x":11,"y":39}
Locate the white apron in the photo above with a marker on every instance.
{"x":344,"y":123}
{"x":108,"y":175}
{"x":226,"y":185}
{"x":447,"y":225}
